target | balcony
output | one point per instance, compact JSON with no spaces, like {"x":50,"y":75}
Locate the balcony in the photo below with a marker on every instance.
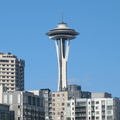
{"x":81,"y":115}
{"x":80,"y":110}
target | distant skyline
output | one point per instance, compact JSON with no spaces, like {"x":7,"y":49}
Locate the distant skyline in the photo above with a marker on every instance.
{"x":94,"y":57}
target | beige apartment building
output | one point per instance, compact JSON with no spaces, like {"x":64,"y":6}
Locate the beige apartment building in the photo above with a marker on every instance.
{"x":57,"y":108}
{"x":11,"y":72}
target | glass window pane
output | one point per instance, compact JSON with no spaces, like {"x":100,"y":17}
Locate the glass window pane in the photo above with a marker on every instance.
{"x":10,"y":99}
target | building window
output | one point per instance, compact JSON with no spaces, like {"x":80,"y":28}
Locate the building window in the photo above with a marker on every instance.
{"x":63,"y":95}
{"x":18,"y":106}
{"x":12,"y":61}
{"x":97,"y":112}
{"x":10,"y":99}
{"x":109,"y":102}
{"x":34,"y":101}
{"x":53,"y":104}
{"x":58,"y":99}
{"x":58,"y":113}
{"x":38,"y":101}
{"x":18,"y":112}
{"x":109,"y":112}
{"x":109,"y":118}
{"x":82,"y":103}
{"x":53,"y":113}
{"x":103,"y":107}
{"x":58,"y":118}
{"x":63,"y":108}
{"x":97,"y":107}
{"x":63,"y":104}
{"x":58,"y":95}
{"x":103,"y":112}
{"x":53,"y":95}
{"x":97,"y":118}
{"x":29,"y":100}
{"x":24,"y":99}
{"x":53,"y":99}
{"x":109,"y":107}
{"x":18,"y":98}
{"x":103,"y":102}
{"x":97,"y":102}
{"x":58,"y":104}
{"x":4,"y":60}
{"x":68,"y":104}
{"x":5,"y":99}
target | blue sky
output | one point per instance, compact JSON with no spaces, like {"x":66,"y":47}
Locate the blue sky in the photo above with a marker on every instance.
{"x":94,"y":58}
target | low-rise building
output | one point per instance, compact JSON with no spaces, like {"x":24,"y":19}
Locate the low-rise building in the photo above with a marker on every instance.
{"x":26,"y":105}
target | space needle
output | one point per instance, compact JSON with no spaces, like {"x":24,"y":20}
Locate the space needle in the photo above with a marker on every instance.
{"x":62,"y":36}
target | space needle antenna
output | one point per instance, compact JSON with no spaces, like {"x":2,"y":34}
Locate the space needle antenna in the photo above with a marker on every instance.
{"x":62,"y":17}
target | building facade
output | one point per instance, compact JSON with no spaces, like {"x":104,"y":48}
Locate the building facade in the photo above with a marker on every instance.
{"x":57,"y":108}
{"x":46,"y":95}
{"x":93,"y":109}
{"x":26,"y":105}
{"x":11,"y":72}
{"x":4,"y":112}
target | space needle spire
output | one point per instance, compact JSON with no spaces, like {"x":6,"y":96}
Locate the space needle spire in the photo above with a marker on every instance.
{"x":62,"y":36}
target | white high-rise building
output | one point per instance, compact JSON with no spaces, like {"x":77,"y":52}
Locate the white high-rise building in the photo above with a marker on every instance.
{"x":11,"y":72}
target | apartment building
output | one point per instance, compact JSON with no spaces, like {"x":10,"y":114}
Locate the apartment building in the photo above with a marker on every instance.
{"x":57,"y":108}
{"x":26,"y":105}
{"x":11,"y":72}
{"x":93,"y":109}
